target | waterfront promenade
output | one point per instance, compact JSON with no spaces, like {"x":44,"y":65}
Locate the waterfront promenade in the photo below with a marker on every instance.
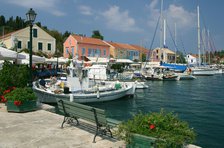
{"x":41,"y":129}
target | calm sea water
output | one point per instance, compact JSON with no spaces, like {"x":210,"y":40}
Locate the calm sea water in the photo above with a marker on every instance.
{"x":200,"y":102}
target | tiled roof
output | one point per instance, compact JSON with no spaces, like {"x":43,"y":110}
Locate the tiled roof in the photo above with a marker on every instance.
{"x":7,"y":35}
{"x":115,"y":45}
{"x":168,"y":51}
{"x":142,"y":49}
{"x":122,"y":45}
{"x":88,"y":40}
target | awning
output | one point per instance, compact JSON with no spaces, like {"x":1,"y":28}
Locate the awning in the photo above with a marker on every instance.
{"x":6,"y":54}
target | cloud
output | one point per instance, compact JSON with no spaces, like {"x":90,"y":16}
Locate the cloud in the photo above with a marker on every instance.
{"x":85,"y":10}
{"x":120,"y":21}
{"x":181,"y":16}
{"x":46,"y":5}
{"x":174,"y":14}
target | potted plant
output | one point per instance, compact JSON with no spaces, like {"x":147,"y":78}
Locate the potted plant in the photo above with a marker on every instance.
{"x":20,"y":99}
{"x":156,"y":130}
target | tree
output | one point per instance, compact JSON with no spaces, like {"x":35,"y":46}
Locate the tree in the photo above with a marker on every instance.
{"x":96,"y":34}
{"x":66,"y":35}
{"x":180,"y":57}
{"x":143,"y":57}
{"x":2,"y":20}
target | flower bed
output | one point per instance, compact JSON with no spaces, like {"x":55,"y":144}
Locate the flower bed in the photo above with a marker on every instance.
{"x":168,"y":130}
{"x":20,"y":99}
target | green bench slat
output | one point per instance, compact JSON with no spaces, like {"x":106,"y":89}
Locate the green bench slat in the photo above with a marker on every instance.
{"x":81,"y":106}
{"x":84,"y":112}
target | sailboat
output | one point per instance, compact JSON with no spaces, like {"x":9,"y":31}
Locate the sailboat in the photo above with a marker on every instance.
{"x":201,"y":70}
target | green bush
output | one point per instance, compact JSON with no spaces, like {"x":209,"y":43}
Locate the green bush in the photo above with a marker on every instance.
{"x":165,"y":127}
{"x":20,"y":94}
{"x":13,"y":75}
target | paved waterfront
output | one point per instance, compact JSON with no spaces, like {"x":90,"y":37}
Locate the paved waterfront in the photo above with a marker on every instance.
{"x":41,"y":129}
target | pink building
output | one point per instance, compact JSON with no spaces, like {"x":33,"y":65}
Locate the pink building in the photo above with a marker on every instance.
{"x":77,"y":46}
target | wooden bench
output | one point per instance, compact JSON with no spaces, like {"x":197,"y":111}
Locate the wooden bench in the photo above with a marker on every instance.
{"x":72,"y":110}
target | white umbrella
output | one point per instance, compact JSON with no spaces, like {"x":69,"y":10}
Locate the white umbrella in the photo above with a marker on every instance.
{"x":61,"y":60}
{"x":6,"y":54}
{"x":35,"y":58}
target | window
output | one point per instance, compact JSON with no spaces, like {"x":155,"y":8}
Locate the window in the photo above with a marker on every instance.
{"x":67,"y":50}
{"x":89,"y":52}
{"x":73,"y":50}
{"x":104,"y":52}
{"x":40,"y":46}
{"x":19,"y":44}
{"x":98,"y":52}
{"x":28,"y":44}
{"x":35,"y":33}
{"x":83,"y":51}
{"x":48,"y":46}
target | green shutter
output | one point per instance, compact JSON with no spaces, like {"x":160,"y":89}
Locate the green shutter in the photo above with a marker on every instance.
{"x":35,"y":33}
{"x":40,"y":46}
{"x":49,"y":46}
{"x":19,"y":45}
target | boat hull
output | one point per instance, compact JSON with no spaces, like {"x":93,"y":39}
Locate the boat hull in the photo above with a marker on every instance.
{"x":203,"y":72}
{"x":50,"y":97}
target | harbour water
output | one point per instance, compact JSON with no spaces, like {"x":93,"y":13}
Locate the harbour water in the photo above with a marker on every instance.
{"x":200,"y":102}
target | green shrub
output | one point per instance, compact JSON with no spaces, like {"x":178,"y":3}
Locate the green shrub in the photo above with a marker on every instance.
{"x":165,"y":127}
{"x":13,"y":75}
{"x":20,"y":94}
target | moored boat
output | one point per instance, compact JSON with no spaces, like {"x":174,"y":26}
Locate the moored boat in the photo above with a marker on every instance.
{"x":77,"y":88}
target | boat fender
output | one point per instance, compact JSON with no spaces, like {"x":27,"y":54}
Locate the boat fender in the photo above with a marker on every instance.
{"x":98,"y":92}
{"x":71,"y":99}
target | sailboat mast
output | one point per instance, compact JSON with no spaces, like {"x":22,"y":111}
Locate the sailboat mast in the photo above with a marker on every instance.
{"x":208,"y":40}
{"x":164,"y":33}
{"x":161,"y":30}
{"x":175,"y":41}
{"x":161,"y":24}
{"x":199,"y":39}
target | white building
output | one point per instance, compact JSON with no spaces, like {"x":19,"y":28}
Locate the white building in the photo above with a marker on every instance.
{"x":42,"y":41}
{"x":191,"y":60}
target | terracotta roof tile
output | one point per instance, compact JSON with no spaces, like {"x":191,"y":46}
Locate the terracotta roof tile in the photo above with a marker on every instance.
{"x":88,"y":40}
{"x":122,"y":45}
{"x":142,"y":49}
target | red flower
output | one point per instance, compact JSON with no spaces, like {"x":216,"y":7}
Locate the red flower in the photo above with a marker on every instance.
{"x":3,"y":99}
{"x":6,"y":91}
{"x":152,"y":126}
{"x":17,"y":103}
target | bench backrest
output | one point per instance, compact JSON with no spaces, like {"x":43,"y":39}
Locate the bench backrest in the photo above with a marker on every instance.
{"x":73,"y":109}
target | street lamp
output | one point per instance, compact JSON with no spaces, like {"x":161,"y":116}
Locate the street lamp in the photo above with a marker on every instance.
{"x":31,"y":15}
{"x":16,"y":46}
{"x":57,"y":60}
{"x":16,"y":41}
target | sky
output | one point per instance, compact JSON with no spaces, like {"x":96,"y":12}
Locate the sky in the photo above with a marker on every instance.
{"x":129,"y":21}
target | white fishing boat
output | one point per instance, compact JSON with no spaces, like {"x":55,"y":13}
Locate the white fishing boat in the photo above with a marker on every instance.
{"x":77,"y":88}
